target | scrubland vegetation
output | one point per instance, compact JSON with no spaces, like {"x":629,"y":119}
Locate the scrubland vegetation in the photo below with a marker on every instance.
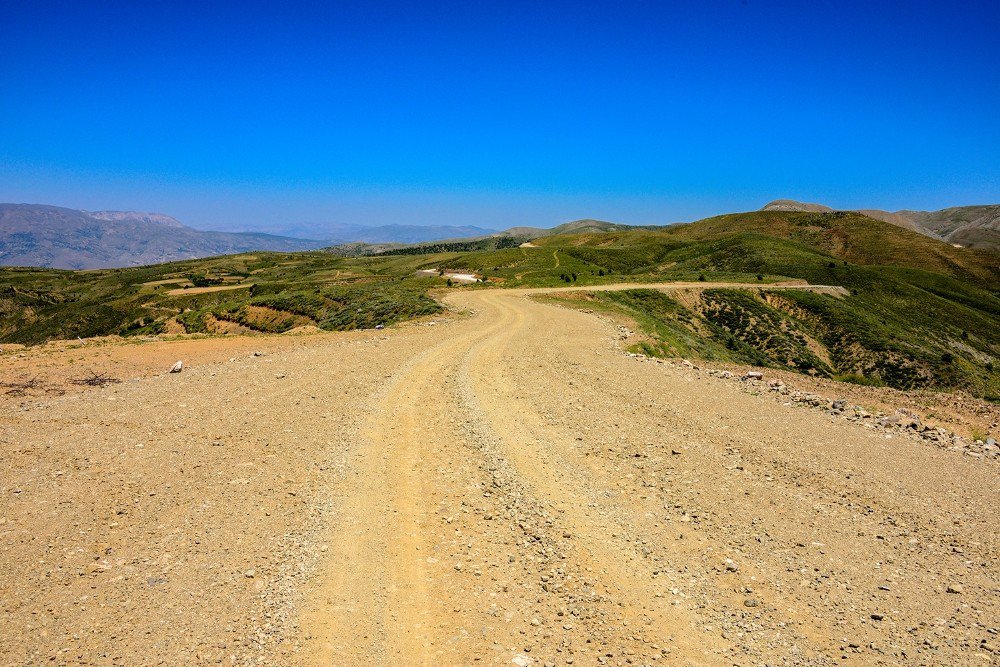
{"x":920,"y":313}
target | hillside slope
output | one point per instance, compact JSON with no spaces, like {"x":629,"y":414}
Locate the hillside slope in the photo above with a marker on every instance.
{"x":851,"y":236}
{"x":51,"y":236}
{"x":921,"y":313}
{"x":584,"y":226}
{"x":970,"y":226}
{"x":967,"y":226}
{"x":792,"y":205}
{"x":915,"y":312}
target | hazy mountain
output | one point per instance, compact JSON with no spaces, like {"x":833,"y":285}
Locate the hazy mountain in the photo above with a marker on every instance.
{"x":135,"y":216}
{"x":51,"y":236}
{"x":339,"y":233}
{"x":968,"y":226}
{"x":416,"y":233}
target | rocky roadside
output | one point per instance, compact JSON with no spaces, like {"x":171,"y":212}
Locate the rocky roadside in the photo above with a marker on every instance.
{"x":901,"y":421}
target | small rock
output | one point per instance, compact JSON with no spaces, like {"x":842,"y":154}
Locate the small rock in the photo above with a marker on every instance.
{"x":750,"y":602}
{"x":177,"y":367}
{"x":250,"y":574}
{"x":731,"y":566}
{"x":521,"y":660}
{"x":754,"y":375}
{"x":954,"y":588}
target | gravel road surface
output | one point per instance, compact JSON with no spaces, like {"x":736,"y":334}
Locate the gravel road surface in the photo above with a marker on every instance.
{"x":499,"y":488}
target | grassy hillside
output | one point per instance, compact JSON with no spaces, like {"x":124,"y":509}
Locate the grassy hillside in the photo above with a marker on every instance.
{"x":858,"y":339}
{"x":850,"y":236}
{"x":270,"y":292}
{"x":920,"y":312}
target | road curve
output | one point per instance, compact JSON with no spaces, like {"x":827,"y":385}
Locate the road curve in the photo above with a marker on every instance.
{"x":503,"y":487}
{"x":525,"y":493}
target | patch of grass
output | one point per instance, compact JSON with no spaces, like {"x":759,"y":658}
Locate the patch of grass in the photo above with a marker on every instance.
{"x":337,"y":293}
{"x":855,"y":378}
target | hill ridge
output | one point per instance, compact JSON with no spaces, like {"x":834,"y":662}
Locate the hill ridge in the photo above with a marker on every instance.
{"x":974,"y":226}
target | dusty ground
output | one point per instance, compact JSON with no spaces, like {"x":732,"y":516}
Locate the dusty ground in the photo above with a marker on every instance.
{"x":505,"y":488}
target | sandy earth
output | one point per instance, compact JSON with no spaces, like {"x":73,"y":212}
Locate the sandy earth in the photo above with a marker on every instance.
{"x":502,"y":488}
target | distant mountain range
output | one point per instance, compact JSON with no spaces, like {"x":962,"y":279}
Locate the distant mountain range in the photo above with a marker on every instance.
{"x":338,"y":232}
{"x":51,"y":236}
{"x":64,"y":238}
{"x":967,"y":226}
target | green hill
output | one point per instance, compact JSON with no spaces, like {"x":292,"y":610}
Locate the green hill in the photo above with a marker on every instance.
{"x":851,"y":236}
{"x":920,"y":313}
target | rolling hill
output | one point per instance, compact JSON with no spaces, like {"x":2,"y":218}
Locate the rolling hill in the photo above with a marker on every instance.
{"x":584,"y":226}
{"x":508,"y":238}
{"x":918,"y":312}
{"x":967,"y":226}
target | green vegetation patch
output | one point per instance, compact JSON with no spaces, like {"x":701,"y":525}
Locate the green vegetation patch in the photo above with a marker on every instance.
{"x":281,"y":291}
{"x":919,"y":313}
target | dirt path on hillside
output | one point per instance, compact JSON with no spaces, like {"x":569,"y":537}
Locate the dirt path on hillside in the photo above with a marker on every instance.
{"x":673,"y":286}
{"x":504,"y":488}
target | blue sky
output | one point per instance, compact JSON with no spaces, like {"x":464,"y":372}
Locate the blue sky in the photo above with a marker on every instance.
{"x":250,"y":114}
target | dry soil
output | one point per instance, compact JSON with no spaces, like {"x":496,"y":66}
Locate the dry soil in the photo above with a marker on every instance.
{"x":500,"y":488}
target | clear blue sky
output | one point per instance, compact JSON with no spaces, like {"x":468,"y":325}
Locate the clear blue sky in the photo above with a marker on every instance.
{"x":248,"y":114}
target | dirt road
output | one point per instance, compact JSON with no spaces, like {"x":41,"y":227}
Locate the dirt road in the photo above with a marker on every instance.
{"x":503,"y":488}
